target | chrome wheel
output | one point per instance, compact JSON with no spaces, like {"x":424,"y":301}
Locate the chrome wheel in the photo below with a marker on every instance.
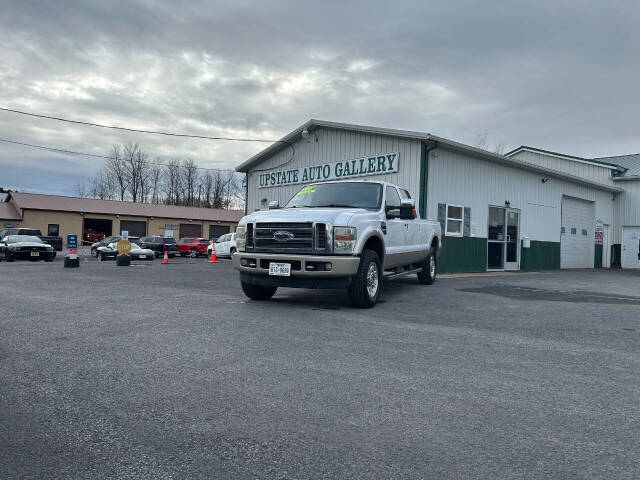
{"x":372,"y":280}
{"x":432,"y":266}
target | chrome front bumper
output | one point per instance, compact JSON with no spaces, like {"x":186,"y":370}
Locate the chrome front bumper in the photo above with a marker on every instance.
{"x":346,"y":266}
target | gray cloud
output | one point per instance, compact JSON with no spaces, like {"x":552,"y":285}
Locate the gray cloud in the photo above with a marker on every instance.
{"x":559,"y":75}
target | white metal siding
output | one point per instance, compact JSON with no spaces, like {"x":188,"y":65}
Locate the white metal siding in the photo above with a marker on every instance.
{"x":334,"y":145}
{"x":472,"y":182}
{"x":596,"y":173}
{"x":631,"y":247}
{"x":576,"y":247}
{"x":628,"y":207}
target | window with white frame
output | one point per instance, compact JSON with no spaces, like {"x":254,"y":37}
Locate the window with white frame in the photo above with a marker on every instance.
{"x":455,"y":219}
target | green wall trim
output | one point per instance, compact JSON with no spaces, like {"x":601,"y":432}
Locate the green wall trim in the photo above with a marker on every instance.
{"x":424,"y":180}
{"x":616,"y":252}
{"x":463,"y":254}
{"x":597,"y":256}
{"x":540,"y":256}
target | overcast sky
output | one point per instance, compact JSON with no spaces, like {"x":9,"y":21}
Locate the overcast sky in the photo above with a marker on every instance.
{"x":557,"y":75}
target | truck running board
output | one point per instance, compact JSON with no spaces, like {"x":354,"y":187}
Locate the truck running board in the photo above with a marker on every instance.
{"x":391,"y":276}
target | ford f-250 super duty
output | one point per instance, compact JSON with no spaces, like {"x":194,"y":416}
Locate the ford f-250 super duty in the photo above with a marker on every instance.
{"x":346,"y":234}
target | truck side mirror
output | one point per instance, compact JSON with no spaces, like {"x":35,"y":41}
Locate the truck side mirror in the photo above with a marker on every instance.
{"x":407,"y":209}
{"x":274,"y":204}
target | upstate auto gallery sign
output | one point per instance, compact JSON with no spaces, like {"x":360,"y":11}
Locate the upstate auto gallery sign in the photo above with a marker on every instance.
{"x":357,"y":167}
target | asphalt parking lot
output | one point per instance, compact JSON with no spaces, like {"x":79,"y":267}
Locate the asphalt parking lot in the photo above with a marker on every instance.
{"x":168,"y":371}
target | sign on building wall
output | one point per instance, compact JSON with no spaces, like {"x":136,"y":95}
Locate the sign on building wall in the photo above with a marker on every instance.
{"x":357,"y":167}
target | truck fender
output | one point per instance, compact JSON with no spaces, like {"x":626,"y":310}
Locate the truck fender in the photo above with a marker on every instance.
{"x":369,"y":234}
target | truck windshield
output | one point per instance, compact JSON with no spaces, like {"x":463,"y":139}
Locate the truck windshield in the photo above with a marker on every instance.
{"x":341,"y":194}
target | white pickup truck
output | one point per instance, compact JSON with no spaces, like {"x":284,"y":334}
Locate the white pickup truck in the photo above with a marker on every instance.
{"x":345,"y":234}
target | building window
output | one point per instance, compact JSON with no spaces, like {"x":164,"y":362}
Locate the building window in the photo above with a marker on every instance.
{"x":584,"y":232}
{"x":454,"y":220}
{"x":574,"y":231}
{"x":53,"y":230}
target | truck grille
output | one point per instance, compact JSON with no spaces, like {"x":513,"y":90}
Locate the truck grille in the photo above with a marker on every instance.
{"x":249,"y":240}
{"x":321,"y":236}
{"x":298,"y":237}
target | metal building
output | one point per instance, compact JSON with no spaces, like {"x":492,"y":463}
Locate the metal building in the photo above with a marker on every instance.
{"x":528,"y":210}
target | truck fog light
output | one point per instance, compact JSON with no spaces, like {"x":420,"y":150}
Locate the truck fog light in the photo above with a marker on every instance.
{"x":243,"y":262}
{"x":327,"y":267}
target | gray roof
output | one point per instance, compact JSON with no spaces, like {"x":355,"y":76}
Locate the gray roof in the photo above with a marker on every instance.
{"x":296,"y":135}
{"x":36,"y":201}
{"x":630,"y":162}
{"x":8,"y":212}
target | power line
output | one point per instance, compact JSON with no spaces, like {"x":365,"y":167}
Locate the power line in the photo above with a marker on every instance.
{"x":128,"y":129}
{"x":72,"y":152}
{"x":155,"y":132}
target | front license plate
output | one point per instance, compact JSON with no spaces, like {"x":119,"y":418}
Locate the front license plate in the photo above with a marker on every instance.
{"x":35,"y":254}
{"x":280,"y":269}
{"x":142,"y":256}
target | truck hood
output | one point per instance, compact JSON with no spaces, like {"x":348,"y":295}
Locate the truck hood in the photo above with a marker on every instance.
{"x":28,"y":244}
{"x":335,"y":216}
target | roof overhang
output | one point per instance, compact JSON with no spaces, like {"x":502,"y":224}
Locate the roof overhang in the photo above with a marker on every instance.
{"x":572,"y":158}
{"x":424,"y":137}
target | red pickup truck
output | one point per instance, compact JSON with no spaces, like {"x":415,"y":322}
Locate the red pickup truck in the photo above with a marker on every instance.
{"x":193,"y":246}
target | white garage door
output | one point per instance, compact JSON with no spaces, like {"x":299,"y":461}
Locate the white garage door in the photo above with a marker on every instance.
{"x":576,"y":236}
{"x":630,"y":247}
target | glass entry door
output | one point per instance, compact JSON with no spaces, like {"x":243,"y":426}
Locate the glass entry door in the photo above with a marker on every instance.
{"x":512,"y":240}
{"x":503,"y":242}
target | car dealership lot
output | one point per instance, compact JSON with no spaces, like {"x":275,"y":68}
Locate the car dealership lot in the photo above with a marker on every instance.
{"x":135,"y":372}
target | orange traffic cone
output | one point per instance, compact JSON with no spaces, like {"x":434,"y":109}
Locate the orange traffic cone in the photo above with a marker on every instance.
{"x":165,"y":260}
{"x":213,"y":259}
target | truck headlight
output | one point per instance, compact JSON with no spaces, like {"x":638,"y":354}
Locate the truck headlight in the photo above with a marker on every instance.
{"x":241,"y":238}
{"x":344,"y":239}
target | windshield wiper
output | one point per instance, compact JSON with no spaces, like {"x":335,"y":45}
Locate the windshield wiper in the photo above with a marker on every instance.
{"x":334,"y":205}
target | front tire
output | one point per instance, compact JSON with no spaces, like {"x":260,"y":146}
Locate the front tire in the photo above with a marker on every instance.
{"x":8,"y":257}
{"x":429,"y":270}
{"x":364,"y":290}
{"x":258,"y":292}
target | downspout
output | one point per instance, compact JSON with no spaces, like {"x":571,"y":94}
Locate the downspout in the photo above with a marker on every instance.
{"x":424,"y":174}
{"x":246,"y":193}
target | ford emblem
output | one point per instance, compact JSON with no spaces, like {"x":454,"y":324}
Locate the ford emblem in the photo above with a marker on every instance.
{"x":282,"y":236}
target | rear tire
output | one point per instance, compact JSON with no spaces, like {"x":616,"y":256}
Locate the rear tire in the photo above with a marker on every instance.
{"x":8,"y":257}
{"x":364,"y":290}
{"x":258,"y":292}
{"x":429,"y":270}
{"x":232,"y":251}
{"x":94,"y":252}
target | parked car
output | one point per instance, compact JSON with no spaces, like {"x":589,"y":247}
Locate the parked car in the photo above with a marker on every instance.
{"x":91,"y":236}
{"x":226,"y":245}
{"x":110,"y":252}
{"x":192,"y":246}
{"x":159,"y":245}
{"x":25,"y":247}
{"x":103,"y":243}
{"x":107,"y":241}
{"x":53,"y":240}
{"x":345,"y":234}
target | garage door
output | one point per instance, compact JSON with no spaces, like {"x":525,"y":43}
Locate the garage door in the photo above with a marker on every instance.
{"x":630,"y":247}
{"x":190,"y":230}
{"x":134,"y":227}
{"x":216,"y":231}
{"x":576,"y":235}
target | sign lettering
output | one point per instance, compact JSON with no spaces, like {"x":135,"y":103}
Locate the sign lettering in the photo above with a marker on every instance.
{"x":357,"y":167}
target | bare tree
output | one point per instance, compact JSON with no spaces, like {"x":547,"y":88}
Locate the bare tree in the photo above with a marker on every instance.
{"x":173,"y":182}
{"x":499,"y":148}
{"x":481,"y":141}
{"x":190,"y":181}
{"x":116,"y":168}
{"x":135,"y":161}
{"x":81,"y":189}
{"x":207,"y":183}
{"x":155,"y":177}
{"x":103,"y":185}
